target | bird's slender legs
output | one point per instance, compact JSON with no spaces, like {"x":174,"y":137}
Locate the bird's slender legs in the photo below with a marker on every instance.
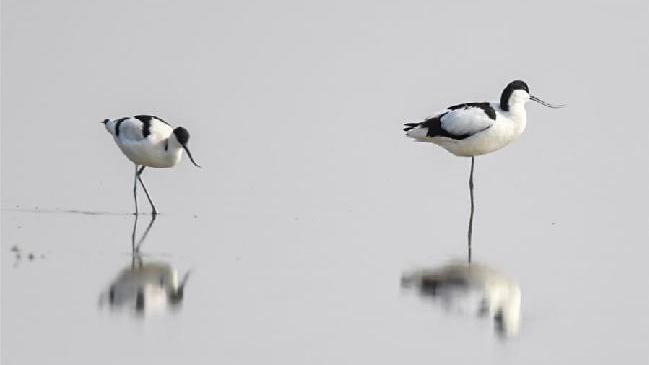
{"x":133,"y":250}
{"x":138,"y":175}
{"x":146,"y":232}
{"x":470,"y":232}
{"x":135,"y":190}
{"x":136,"y":260}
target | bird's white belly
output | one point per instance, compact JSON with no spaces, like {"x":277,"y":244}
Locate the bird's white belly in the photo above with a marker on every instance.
{"x":150,"y":155}
{"x":490,"y":140}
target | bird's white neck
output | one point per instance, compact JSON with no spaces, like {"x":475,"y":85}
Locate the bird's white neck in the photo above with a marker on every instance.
{"x":174,"y":150}
{"x":173,"y":142}
{"x":511,"y":312}
{"x":518,"y":116}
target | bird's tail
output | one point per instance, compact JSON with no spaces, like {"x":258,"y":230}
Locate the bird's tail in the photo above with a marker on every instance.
{"x":409,"y":126}
{"x":416,"y":131}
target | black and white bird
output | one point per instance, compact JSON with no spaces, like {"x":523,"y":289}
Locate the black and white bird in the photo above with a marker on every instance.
{"x":472,"y":129}
{"x":146,"y":288}
{"x":148,"y":141}
{"x":471,"y":288}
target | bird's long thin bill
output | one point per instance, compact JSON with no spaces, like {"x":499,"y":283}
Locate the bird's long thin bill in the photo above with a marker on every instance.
{"x":190,"y":156}
{"x":544,"y":103}
{"x":181,"y":287}
{"x":184,"y":280}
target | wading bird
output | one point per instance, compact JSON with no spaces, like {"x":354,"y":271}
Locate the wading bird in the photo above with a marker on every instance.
{"x":148,"y":141}
{"x":148,"y":287}
{"x":472,"y":129}
{"x":145,"y":288}
{"x":471,"y":288}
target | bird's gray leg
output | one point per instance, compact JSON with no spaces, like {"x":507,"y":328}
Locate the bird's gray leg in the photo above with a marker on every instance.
{"x":135,"y":190}
{"x":133,"y":246}
{"x":470,"y":233}
{"x":146,"y":232}
{"x":153,"y":210}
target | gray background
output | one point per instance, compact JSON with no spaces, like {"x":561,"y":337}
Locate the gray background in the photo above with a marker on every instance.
{"x":311,"y":201}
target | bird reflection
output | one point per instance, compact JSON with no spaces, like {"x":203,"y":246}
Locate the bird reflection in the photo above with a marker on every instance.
{"x":145,"y":287}
{"x":471,"y":288}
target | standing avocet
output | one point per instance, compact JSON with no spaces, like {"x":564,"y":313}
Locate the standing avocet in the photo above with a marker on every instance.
{"x":146,"y":287}
{"x":148,"y":141}
{"x":473,"y":129}
{"x":471,"y":287}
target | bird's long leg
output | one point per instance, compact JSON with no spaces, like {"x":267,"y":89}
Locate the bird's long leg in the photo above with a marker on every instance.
{"x":136,"y":259}
{"x":139,"y":173}
{"x":135,"y":190}
{"x":470,"y":232}
{"x":146,"y":232}
{"x":133,"y":246}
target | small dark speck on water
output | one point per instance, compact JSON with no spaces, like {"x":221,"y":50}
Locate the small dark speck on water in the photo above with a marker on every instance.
{"x":15,"y":248}
{"x":195,"y":216}
{"x":31,"y":256}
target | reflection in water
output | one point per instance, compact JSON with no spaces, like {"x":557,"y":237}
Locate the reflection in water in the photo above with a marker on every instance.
{"x":471,"y":288}
{"x":146,"y":288}
{"x":143,"y":287}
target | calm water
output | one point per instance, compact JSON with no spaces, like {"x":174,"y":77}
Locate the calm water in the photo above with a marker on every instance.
{"x":311,"y":205}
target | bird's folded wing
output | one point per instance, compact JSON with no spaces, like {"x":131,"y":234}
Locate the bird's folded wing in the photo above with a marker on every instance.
{"x":131,"y":130}
{"x":466,"y":121}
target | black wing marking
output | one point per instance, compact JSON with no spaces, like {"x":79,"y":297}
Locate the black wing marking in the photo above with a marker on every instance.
{"x":146,"y":123}
{"x":486,"y":108}
{"x":410,"y":126}
{"x":117,"y":124}
{"x":434,"y":128}
{"x":144,"y":118}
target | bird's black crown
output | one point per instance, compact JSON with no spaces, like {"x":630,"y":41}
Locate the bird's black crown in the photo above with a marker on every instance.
{"x":182,"y":135}
{"x":518,"y":85}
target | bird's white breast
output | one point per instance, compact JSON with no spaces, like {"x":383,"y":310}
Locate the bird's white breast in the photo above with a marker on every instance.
{"x":154,"y":280}
{"x":151,"y":154}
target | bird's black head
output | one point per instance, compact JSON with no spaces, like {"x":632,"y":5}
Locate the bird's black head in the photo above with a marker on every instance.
{"x":507,"y":93}
{"x":518,"y":85}
{"x":176,"y":296}
{"x":521,"y":85}
{"x":182,"y":135}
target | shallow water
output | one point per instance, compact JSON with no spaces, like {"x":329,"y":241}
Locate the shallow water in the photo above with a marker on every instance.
{"x":321,"y":299}
{"x":311,"y":205}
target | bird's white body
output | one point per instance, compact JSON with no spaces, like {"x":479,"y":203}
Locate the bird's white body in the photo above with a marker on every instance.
{"x":158,"y":148}
{"x":148,"y":287}
{"x":148,"y":141}
{"x":470,"y":131}
{"x":473,"y":288}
